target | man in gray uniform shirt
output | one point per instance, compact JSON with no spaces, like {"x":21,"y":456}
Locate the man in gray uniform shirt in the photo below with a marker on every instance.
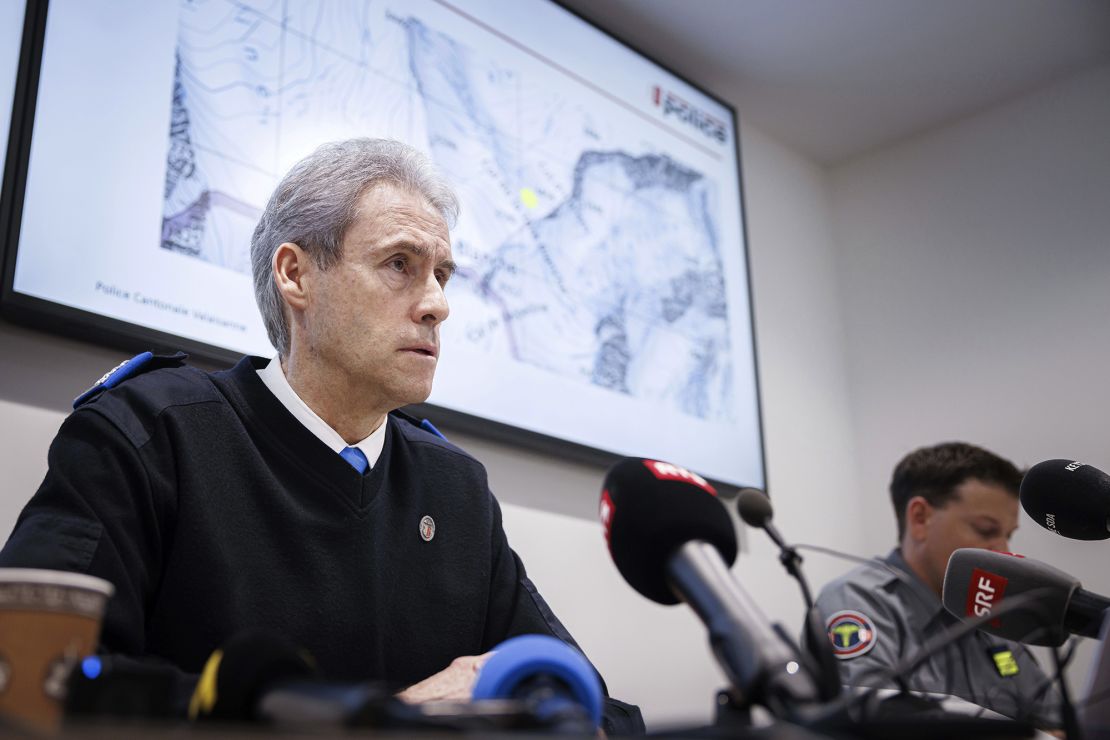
{"x":945,"y":497}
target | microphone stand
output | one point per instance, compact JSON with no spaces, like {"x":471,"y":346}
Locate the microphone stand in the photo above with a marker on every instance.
{"x":824,"y":667}
{"x":792,"y":561}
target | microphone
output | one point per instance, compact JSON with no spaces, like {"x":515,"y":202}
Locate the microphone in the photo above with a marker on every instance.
{"x":235,"y":677}
{"x":259,"y":676}
{"x":756,"y":511}
{"x":1069,"y":498}
{"x":554,"y":681}
{"x":672,"y":540}
{"x":977,"y":581}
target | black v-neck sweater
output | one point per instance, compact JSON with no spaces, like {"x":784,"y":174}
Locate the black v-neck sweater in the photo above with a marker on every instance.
{"x":213,"y":511}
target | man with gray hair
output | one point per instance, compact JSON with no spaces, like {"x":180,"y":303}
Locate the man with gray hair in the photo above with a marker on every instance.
{"x":287,"y":493}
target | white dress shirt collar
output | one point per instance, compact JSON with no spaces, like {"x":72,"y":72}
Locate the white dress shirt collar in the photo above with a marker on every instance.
{"x":274,"y":378}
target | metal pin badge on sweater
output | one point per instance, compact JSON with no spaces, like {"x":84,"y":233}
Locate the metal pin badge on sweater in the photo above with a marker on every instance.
{"x":427,"y":528}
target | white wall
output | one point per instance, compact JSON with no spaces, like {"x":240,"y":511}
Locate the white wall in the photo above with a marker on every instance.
{"x":40,"y":375}
{"x":975,"y":262}
{"x":655,"y":656}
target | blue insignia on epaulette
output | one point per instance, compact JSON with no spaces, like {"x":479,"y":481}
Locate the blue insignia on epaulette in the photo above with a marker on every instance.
{"x":430,"y":427}
{"x":424,"y":424}
{"x":127,"y":369}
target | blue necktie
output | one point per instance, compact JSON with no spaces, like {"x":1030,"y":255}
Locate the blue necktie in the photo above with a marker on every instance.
{"x":356,"y":458}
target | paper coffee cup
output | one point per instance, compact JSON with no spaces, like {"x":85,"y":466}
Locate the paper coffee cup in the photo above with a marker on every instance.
{"x":49,"y":621}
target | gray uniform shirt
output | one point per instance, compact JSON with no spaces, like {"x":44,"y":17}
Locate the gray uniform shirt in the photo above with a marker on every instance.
{"x":877,"y":616}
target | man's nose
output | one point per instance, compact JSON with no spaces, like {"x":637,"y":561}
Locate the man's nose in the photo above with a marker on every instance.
{"x":432,"y":306}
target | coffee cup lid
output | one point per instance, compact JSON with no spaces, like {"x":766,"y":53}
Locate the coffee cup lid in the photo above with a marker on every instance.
{"x":56,"y":578}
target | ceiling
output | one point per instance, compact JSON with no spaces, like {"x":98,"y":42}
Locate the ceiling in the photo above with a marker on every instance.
{"x":834,"y":79}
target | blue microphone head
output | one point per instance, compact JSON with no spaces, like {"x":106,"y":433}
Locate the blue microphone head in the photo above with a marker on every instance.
{"x":518,"y":660}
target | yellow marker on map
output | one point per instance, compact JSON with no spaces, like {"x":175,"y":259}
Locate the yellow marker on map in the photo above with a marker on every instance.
{"x":528,"y":198}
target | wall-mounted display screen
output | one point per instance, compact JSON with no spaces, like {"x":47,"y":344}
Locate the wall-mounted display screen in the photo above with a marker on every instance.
{"x":602,"y":294}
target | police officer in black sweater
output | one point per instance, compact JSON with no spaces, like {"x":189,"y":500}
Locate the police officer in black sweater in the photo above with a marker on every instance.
{"x":286,"y":493}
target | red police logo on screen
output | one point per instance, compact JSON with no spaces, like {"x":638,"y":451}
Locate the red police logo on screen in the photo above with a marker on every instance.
{"x":851,"y":633}
{"x":983,"y":592}
{"x":667,"y":471}
{"x":675,"y":106}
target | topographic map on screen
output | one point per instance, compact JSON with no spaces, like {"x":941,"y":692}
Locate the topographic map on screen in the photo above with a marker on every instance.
{"x":584,"y":250}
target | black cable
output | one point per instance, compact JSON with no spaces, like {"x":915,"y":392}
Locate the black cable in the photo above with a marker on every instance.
{"x":1067,"y":709}
{"x":969,"y":625}
{"x":872,"y":561}
{"x":875,"y":562}
{"x":1058,"y":675}
{"x":1027,"y":704}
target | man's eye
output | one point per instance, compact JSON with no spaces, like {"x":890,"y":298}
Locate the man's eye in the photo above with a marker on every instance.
{"x":398,"y":264}
{"x":442,"y":276}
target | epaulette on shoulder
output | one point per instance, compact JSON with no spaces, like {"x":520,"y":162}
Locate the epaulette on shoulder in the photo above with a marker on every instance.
{"x":424,"y":424}
{"x":137,"y":365}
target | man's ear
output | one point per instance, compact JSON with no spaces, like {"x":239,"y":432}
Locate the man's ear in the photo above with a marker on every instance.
{"x":918,"y":514}
{"x":291,"y":265}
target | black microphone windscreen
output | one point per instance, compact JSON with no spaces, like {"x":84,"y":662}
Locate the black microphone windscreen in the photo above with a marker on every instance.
{"x":1069,"y":498}
{"x":649,"y":509}
{"x":754,"y":507}
{"x":977,"y":581}
{"x":248,"y":663}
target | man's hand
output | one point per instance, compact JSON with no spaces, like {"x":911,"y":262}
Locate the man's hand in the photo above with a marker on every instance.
{"x":453,"y":683}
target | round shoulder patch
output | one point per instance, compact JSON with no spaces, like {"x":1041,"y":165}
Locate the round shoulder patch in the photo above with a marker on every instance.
{"x":851,"y":633}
